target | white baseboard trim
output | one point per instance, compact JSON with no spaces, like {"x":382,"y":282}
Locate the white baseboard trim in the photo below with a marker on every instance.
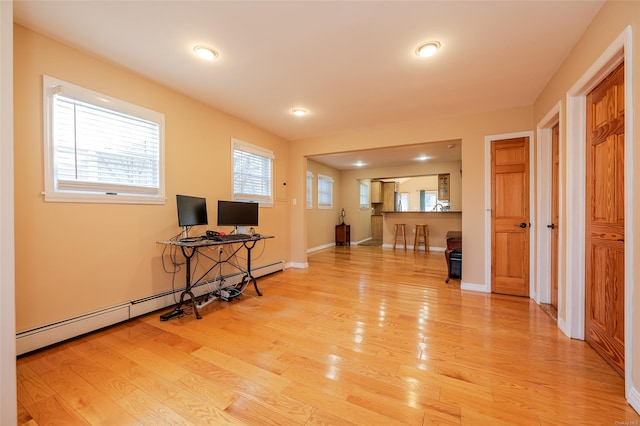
{"x":318,"y":248}
{"x":474,"y":287}
{"x":633,"y":398}
{"x":298,"y":265}
{"x":49,"y":334}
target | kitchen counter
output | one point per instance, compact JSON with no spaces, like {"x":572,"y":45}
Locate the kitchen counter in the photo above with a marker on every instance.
{"x":439,"y":224}
{"x":442,"y":211}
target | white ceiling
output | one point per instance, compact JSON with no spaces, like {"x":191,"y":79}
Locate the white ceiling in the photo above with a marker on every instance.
{"x":350,"y":63}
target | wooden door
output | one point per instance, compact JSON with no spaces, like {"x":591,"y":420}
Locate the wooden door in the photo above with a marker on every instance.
{"x":510,"y":216}
{"x":555,"y":163}
{"x":604,"y":246}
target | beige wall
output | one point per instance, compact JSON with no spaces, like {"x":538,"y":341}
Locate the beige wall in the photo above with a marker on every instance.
{"x":74,"y":258}
{"x":610,"y":22}
{"x":322,"y":222}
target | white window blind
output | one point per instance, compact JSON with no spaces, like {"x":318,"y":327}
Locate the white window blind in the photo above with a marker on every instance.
{"x":100,"y":149}
{"x":252,"y":172}
{"x":309,"y":190}
{"x":364,"y":194}
{"x":325,"y":192}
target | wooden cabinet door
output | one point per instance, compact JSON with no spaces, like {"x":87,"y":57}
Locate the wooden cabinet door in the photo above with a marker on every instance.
{"x":389,"y":196}
{"x":376,"y":191}
{"x":510,"y":216}
{"x":604,"y":246}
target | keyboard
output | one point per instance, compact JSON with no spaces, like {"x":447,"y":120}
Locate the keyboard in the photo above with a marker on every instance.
{"x":232,"y":237}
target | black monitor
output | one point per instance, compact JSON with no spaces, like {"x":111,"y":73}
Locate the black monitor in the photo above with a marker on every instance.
{"x":191,"y":210}
{"x":237,"y":213}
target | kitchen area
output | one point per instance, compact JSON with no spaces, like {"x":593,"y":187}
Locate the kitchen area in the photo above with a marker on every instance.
{"x":412,"y":201}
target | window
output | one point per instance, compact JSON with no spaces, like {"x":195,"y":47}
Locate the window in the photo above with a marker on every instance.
{"x":364,"y":194}
{"x":325,"y":192}
{"x":252,"y":172}
{"x":403,"y":202}
{"x":100,"y":149}
{"x":309,"y":189}
{"x":428,"y":200}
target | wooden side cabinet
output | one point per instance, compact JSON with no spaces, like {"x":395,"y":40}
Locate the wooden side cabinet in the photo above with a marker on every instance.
{"x":343,"y":235}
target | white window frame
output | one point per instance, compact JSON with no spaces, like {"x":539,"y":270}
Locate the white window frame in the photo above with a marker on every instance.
{"x":365,"y":201}
{"x":309,"y":197}
{"x":263,"y":198}
{"x":99,"y":192}
{"x":404,"y":202}
{"x":325,"y":193}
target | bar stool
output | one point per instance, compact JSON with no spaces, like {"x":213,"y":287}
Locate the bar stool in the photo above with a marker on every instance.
{"x":396,"y":229}
{"x":422,"y":236}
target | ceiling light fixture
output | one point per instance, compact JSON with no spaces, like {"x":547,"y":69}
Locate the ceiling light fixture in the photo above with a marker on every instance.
{"x":359,"y":163}
{"x":428,"y":49}
{"x":205,"y":52}
{"x":299,"y":112}
{"x":423,"y":158}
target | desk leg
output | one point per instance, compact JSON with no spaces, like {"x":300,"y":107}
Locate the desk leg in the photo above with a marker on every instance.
{"x":178,"y":311}
{"x":250,"y":277}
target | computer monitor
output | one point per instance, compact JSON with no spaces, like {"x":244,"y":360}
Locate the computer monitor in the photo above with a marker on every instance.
{"x":192,"y":211}
{"x":237,"y":214}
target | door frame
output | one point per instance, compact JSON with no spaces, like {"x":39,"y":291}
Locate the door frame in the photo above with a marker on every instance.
{"x":542,"y":236}
{"x":487,"y":204}
{"x":574,"y":324}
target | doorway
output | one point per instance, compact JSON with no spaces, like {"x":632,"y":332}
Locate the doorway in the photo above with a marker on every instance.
{"x":510,"y":220}
{"x":526,"y":252}
{"x":574,"y":278}
{"x":605,"y":219}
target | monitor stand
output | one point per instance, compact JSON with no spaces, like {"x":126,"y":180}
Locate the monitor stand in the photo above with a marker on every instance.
{"x":240,"y":230}
{"x":185,"y":232}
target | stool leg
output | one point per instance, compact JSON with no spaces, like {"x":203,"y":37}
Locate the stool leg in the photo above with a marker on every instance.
{"x":395,"y":235}
{"x":426,"y":239}
{"x":404,"y":238}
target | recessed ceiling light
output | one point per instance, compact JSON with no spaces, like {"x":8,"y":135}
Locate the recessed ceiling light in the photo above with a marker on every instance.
{"x":205,"y":52}
{"x":299,"y":112}
{"x":423,"y":158}
{"x":428,"y":49}
{"x":359,"y":164}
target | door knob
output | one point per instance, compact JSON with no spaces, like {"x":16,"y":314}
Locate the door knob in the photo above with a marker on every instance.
{"x":523,"y":225}
{"x":552,"y":226}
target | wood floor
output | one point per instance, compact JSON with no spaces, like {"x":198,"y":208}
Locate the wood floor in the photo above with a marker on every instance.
{"x":364,"y":336}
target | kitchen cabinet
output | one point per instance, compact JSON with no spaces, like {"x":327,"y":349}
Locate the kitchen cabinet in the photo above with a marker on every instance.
{"x":444,"y":183}
{"x":376,"y":191}
{"x":376,"y":227}
{"x":388,"y":196}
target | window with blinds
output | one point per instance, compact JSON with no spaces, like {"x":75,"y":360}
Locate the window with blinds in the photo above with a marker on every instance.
{"x":100,"y":149}
{"x":309,"y":189}
{"x":252,"y":172}
{"x":325,"y":192}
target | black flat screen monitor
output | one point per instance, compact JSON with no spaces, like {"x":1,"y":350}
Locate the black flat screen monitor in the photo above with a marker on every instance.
{"x":191,"y":210}
{"x":237,"y":213}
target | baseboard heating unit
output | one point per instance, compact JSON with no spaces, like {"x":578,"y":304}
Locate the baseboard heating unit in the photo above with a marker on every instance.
{"x":49,"y":334}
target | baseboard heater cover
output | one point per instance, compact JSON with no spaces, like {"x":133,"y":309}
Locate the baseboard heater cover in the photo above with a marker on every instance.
{"x":50,"y":334}
{"x":36,"y":338}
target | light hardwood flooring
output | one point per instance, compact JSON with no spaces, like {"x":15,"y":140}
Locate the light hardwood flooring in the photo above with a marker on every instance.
{"x":364,"y":336}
